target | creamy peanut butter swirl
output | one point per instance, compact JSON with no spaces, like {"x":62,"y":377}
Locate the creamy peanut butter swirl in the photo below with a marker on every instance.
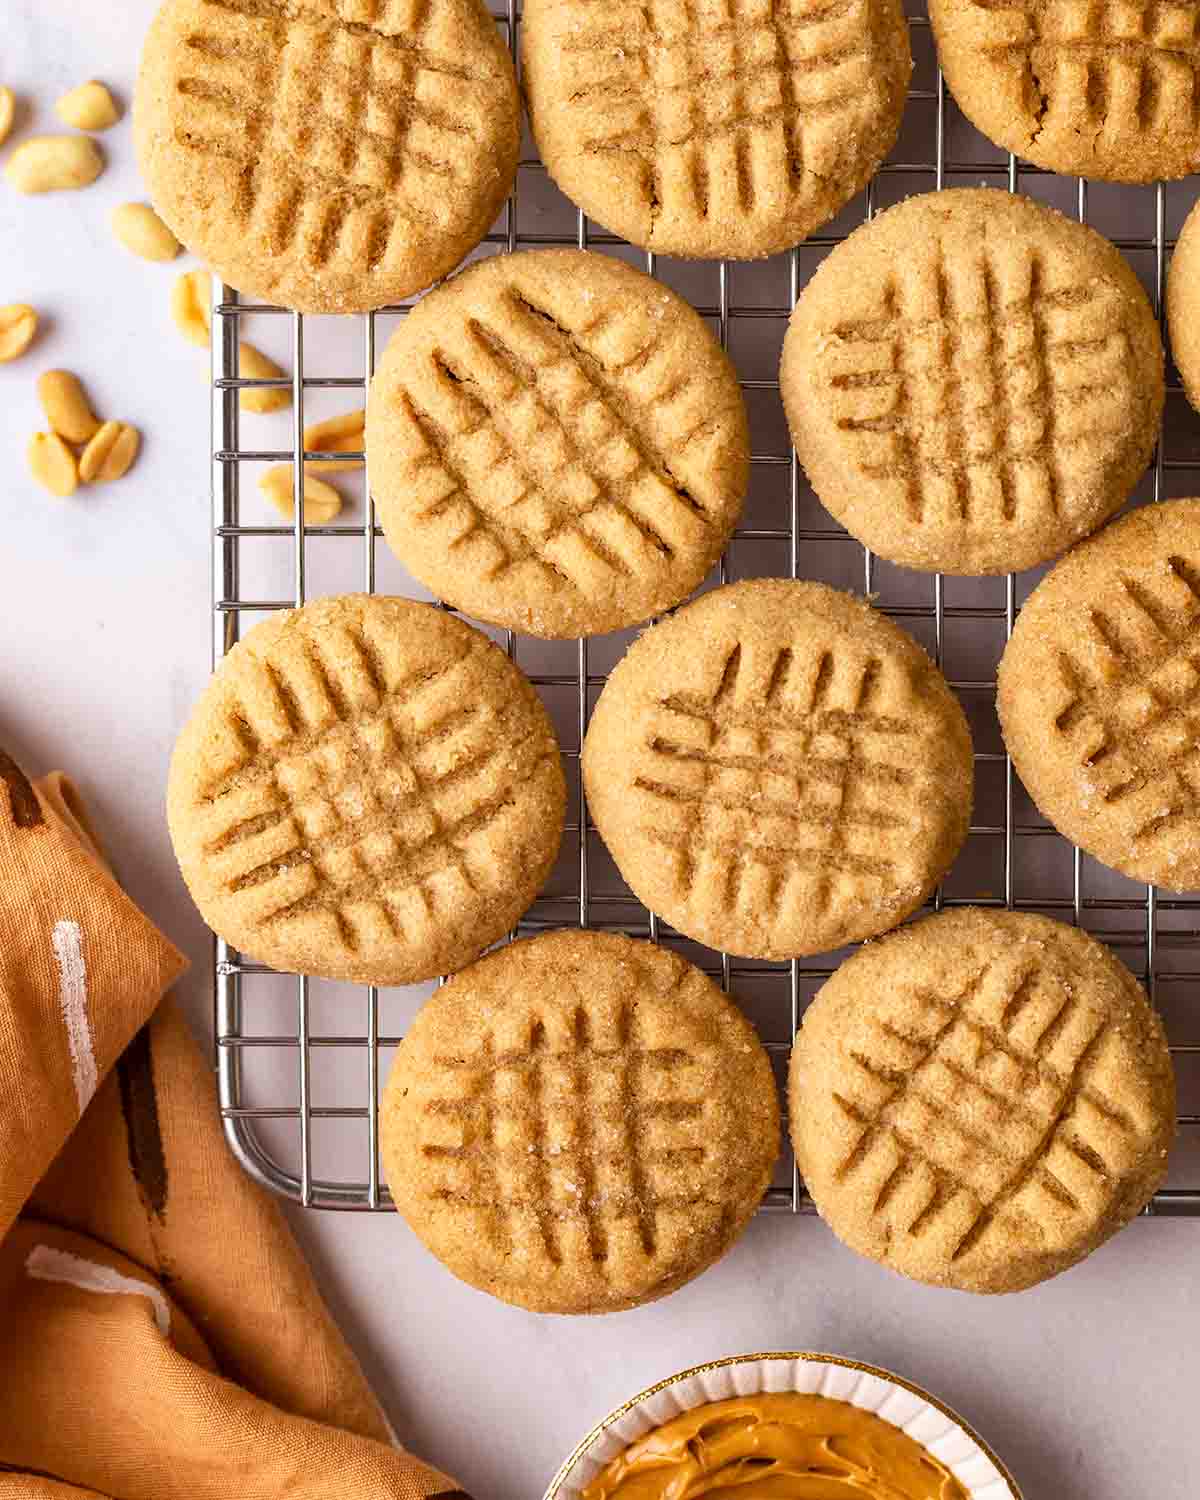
{"x":779,"y":1447}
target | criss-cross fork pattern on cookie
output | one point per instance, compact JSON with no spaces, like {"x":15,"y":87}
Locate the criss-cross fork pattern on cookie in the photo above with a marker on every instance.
{"x":330,"y":119}
{"x":585,"y":1139}
{"x":1132,"y":716}
{"x":360,"y":799}
{"x":725,"y":102}
{"x":764,"y":796}
{"x":983,"y":392}
{"x":1133,"y":64}
{"x":532,"y":454}
{"x":988,"y":1109}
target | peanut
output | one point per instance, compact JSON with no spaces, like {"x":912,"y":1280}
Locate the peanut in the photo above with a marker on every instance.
{"x":110,"y":454}
{"x":321,"y":501}
{"x":18,"y":324}
{"x":8,"y":108}
{"x":344,"y":434}
{"x":143,"y":233}
{"x":253,"y":364}
{"x":191,"y":307}
{"x":66,"y":406}
{"x":54,"y":163}
{"x":89,"y":107}
{"x":52,"y":464}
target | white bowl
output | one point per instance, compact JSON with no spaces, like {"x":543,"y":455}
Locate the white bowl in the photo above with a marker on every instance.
{"x":923,"y":1417}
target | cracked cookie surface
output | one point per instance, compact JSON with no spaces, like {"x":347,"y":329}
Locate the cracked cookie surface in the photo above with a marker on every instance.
{"x":1097,"y":695}
{"x":328,"y":155}
{"x":1094,"y":88}
{"x":779,"y":770}
{"x":981,"y":1099}
{"x":973,"y":382}
{"x":579,"y":1123}
{"x":714,"y":128}
{"x":557,"y":444}
{"x":368,"y":789}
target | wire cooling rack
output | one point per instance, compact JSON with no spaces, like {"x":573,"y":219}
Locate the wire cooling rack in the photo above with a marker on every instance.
{"x":301,"y":1062}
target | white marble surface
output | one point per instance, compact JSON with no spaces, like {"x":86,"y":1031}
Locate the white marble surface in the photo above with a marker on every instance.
{"x":1085,"y":1386}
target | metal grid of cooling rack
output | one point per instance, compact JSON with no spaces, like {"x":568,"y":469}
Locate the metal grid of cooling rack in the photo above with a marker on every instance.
{"x":1156,"y":935}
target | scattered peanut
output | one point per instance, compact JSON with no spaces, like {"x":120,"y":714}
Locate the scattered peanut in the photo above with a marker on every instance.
{"x":143,"y":233}
{"x":66,"y":406}
{"x":321,"y":501}
{"x":8,"y":108}
{"x":344,"y":434}
{"x":52,"y":464}
{"x":253,"y":364}
{"x":191,"y":307}
{"x":54,"y":163}
{"x":18,"y":324}
{"x":110,"y":454}
{"x":89,"y":107}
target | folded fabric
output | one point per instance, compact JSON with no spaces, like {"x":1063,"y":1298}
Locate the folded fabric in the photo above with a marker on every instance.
{"x":161,"y":1336}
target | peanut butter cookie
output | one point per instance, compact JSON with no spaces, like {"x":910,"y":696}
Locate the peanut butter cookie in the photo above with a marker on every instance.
{"x":715,"y":128}
{"x":368,"y":789}
{"x":1098,"y":695}
{"x":1089,"y":88}
{"x":329,"y":155}
{"x":579,"y":1123}
{"x":557,"y":443}
{"x":981,"y":1099}
{"x":779,"y":770}
{"x":1183,"y":305}
{"x":973,"y":382}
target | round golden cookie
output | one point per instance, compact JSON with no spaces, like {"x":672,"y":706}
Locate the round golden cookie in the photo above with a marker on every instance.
{"x":1183,"y":306}
{"x":709,"y":129}
{"x":779,"y":770}
{"x":973,"y":382}
{"x":557,"y":443}
{"x":1089,"y":88}
{"x":368,"y":789}
{"x":579,"y":1123}
{"x":981,"y":1099}
{"x":1098,"y":695}
{"x":328,"y":155}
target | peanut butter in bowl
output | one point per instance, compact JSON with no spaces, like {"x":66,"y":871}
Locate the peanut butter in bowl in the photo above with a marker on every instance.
{"x":779,"y":1446}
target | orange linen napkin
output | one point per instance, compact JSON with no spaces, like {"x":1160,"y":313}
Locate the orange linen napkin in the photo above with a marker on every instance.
{"x":160,"y":1333}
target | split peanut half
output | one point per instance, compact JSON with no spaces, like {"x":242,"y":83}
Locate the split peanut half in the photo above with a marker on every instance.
{"x":89,"y":107}
{"x":253,"y":364}
{"x":143,"y":233}
{"x":110,"y":454}
{"x":18,"y":324}
{"x":321,"y":501}
{"x":54,"y":163}
{"x":67,"y":407}
{"x":343,"y":434}
{"x":53,"y":464}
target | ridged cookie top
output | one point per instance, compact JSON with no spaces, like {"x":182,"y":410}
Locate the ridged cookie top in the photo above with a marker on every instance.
{"x":1098,"y":690}
{"x":981,"y":1099}
{"x":330,"y":155}
{"x":579,"y":1123}
{"x":973,"y":382}
{"x":1095,"y":88}
{"x":557,"y":443}
{"x":778,"y":770}
{"x":367,"y":789}
{"x":714,"y":127}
